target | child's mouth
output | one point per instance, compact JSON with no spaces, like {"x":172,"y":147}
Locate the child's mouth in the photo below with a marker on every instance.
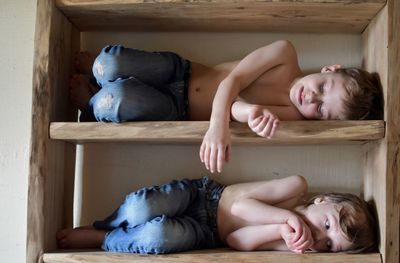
{"x":300,"y":95}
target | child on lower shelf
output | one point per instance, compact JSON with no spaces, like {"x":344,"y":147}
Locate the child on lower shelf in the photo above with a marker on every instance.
{"x":264,"y":87}
{"x":195,"y":214}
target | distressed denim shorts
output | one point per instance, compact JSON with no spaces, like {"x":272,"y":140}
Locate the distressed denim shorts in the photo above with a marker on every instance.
{"x":137,"y":85}
{"x":178,"y":216}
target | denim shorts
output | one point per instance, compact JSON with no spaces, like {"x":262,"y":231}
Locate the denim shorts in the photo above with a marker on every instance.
{"x":174,"y":217}
{"x":137,"y":85}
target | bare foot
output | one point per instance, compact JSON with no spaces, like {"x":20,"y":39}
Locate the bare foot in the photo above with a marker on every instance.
{"x":81,"y":90}
{"x":84,"y":62}
{"x":87,"y":237}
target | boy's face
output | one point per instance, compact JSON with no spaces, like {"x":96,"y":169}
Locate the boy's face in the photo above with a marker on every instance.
{"x":319,"y":96}
{"x":323,"y":219}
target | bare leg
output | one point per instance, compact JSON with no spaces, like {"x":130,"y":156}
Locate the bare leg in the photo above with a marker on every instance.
{"x":84,"y":62}
{"x":81,"y":90}
{"x":82,"y":237}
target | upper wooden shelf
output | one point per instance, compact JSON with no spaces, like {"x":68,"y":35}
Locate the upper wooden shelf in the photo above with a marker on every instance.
{"x":214,"y":255}
{"x":324,"y":16}
{"x":289,"y":132}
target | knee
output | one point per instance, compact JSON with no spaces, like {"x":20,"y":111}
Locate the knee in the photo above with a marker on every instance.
{"x":105,"y":107}
{"x":107,"y":63}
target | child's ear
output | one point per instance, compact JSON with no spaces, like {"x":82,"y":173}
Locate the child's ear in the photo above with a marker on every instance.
{"x":319,"y":200}
{"x":331,"y":68}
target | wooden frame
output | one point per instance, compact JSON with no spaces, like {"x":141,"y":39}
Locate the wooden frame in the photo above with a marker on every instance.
{"x":58,"y":25}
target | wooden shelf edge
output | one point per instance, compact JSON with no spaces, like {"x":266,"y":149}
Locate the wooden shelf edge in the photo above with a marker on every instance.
{"x":346,"y":16}
{"x":289,"y":132}
{"x":216,"y":255}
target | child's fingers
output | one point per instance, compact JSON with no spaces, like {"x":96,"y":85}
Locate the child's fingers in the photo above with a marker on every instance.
{"x":201,"y":152}
{"x":304,"y":237}
{"x":267,"y":129}
{"x":207,"y":152}
{"x":274,"y":127}
{"x":260,"y":127}
{"x":254,"y":122}
{"x":213,"y":159}
{"x":304,"y":242}
{"x":221,"y":158}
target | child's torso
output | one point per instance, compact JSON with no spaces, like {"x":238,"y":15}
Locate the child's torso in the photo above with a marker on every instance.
{"x":271,"y":88}
{"x":228,"y":223}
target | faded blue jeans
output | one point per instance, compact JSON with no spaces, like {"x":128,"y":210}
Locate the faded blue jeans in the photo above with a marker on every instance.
{"x":178,"y":216}
{"x":137,"y":85}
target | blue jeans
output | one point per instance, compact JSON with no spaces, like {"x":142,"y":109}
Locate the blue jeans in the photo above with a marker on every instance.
{"x":137,"y":85}
{"x":178,"y":216}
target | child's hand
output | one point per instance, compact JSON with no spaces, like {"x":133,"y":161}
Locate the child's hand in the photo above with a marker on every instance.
{"x":263,"y":122}
{"x":297,"y":235}
{"x":215,"y":149}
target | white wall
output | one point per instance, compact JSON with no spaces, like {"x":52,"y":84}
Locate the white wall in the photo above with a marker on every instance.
{"x":107,"y":172}
{"x":17,"y":22}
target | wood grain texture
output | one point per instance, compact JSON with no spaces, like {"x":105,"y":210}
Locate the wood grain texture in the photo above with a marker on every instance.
{"x":217,"y":255}
{"x":325,"y":16}
{"x":375,"y":58}
{"x":48,"y":158}
{"x":295,"y":132}
{"x":393,"y":134}
{"x":382,"y":159}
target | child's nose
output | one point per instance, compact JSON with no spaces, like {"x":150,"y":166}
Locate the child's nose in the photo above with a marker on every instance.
{"x":311,"y":97}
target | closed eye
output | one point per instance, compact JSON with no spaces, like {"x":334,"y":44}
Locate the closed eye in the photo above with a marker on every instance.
{"x":322,"y":87}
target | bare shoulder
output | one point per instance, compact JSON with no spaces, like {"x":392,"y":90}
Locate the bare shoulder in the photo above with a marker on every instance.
{"x":284,"y":48}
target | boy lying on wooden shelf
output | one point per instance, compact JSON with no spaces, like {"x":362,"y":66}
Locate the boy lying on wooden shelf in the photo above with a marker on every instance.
{"x":196,"y":214}
{"x":264,"y":87}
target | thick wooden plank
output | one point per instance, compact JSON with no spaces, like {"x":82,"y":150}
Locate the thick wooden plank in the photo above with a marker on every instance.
{"x":393,"y":135}
{"x":324,"y":16}
{"x":48,"y":158}
{"x":206,"y":256}
{"x":382,"y":159}
{"x":295,"y":132}
{"x":375,"y":180}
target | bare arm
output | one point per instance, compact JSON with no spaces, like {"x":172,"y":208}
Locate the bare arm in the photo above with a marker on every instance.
{"x":215,"y":149}
{"x":259,"y":237}
{"x":257,"y":203}
{"x":241,"y":110}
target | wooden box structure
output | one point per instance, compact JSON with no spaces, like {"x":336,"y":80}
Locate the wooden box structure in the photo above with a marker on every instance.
{"x":52,"y":155}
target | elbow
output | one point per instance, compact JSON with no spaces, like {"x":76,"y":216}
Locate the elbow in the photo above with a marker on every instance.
{"x":234,"y":242}
{"x":286,"y":46}
{"x":237,"y":208}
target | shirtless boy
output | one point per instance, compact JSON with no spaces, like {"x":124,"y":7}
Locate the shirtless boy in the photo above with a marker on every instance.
{"x":264,"y":87}
{"x":201,"y":213}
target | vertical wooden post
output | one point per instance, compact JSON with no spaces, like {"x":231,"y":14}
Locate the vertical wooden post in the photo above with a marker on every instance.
{"x":52,"y":66}
{"x":381,"y":185}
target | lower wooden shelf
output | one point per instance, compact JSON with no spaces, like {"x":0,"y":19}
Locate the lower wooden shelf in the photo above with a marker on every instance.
{"x":207,"y":256}
{"x":288,"y":132}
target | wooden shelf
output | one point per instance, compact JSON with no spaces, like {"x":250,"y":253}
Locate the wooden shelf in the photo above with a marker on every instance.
{"x":206,"y":256}
{"x":289,"y":132}
{"x":325,"y":16}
